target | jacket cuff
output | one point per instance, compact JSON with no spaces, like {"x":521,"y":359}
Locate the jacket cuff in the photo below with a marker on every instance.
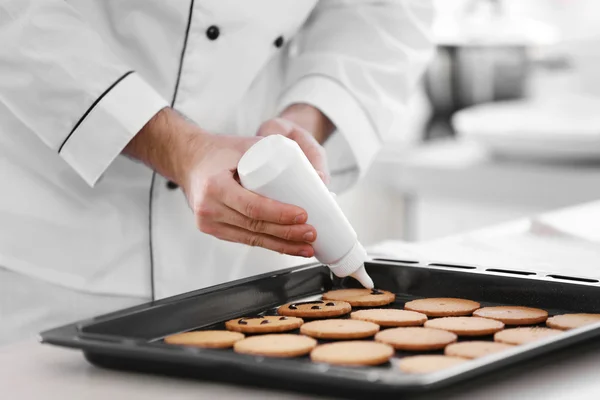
{"x":109,"y":124}
{"x":343,"y":110}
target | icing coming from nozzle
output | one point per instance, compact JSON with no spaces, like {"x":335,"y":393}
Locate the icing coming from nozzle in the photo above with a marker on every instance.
{"x":364,"y":278}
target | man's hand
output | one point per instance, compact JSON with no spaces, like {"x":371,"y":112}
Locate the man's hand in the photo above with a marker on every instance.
{"x":204,"y":165}
{"x":308,"y":127}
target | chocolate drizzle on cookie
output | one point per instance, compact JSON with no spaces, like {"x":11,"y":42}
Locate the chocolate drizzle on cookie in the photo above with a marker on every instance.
{"x":315,"y":308}
{"x":266,"y":321}
{"x":330,"y":304}
{"x":375,"y":291}
{"x":242,"y":321}
{"x":294,"y":306}
{"x":282,"y":318}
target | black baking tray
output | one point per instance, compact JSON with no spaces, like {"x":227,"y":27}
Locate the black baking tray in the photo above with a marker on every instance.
{"x":132,"y":339}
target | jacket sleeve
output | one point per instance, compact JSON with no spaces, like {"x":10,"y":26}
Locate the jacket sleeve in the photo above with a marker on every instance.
{"x":357,"y":61}
{"x":62,"y":82}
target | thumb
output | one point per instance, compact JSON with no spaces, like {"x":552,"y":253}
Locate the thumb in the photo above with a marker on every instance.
{"x":275,"y":126}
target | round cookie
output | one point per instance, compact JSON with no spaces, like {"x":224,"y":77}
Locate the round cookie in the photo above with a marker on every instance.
{"x":572,"y":321}
{"x":276,"y":345}
{"x":390,"y":317}
{"x":315,"y":309}
{"x":208,"y":339}
{"x":475,"y":349}
{"x":524,"y":335}
{"x":339,"y":329}
{"x":357,"y":352}
{"x":428,"y":363}
{"x":443,"y":306}
{"x":416,"y":338}
{"x":466,"y":326}
{"x":361,"y":297}
{"x":513,"y":315}
{"x":266,"y":324}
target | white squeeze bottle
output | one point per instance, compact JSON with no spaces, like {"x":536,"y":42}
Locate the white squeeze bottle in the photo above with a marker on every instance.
{"x":275,"y":167}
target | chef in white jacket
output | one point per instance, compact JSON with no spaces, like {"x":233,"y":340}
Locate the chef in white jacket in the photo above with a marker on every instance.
{"x":121,"y":122}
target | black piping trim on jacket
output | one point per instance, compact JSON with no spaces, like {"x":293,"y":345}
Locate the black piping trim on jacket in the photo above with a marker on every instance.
{"x":89,"y":110}
{"x":153,"y":181}
{"x":185,"y":42}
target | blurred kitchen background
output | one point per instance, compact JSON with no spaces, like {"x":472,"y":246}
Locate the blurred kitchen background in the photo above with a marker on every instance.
{"x":505,"y":124}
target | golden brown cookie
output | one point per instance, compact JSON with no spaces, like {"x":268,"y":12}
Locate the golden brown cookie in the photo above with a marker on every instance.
{"x":442,"y":306}
{"x":466,"y":326}
{"x":208,"y":339}
{"x":572,"y":321}
{"x":390,"y":317}
{"x":416,"y":338}
{"x":356,"y":352}
{"x":276,"y":345}
{"x":339,"y":329}
{"x":475,"y":349}
{"x":315,"y":309}
{"x":361,"y":297}
{"x":524,"y":335}
{"x":428,"y":363}
{"x":266,"y":324}
{"x":513,"y":315}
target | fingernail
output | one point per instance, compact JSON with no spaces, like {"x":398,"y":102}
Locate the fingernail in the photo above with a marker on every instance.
{"x":300,"y":219}
{"x":303,"y":253}
{"x":309,"y":236}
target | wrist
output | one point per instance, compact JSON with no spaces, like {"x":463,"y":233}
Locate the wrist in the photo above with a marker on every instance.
{"x":311,"y":119}
{"x":170,"y":144}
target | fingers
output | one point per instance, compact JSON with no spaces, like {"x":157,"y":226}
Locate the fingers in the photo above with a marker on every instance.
{"x":309,"y":145}
{"x":257,"y":207}
{"x":293,"y":233}
{"x":235,"y":234}
{"x":312,"y":149}
{"x":276,"y":126}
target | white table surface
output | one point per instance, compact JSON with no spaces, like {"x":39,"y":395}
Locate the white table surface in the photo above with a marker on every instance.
{"x":448,"y":168}
{"x":562,"y":242}
{"x":29,"y":370}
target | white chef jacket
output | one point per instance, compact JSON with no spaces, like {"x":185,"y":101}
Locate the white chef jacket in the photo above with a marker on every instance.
{"x":79,"y":78}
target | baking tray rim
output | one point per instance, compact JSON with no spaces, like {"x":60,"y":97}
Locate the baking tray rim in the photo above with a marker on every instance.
{"x":71,"y":336}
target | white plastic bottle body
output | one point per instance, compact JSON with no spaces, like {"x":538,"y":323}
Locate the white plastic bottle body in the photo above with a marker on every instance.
{"x":300,"y":185}
{"x":277,"y":168}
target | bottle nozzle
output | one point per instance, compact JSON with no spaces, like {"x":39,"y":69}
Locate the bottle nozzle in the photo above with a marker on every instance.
{"x":347,"y":266}
{"x":364,"y":278}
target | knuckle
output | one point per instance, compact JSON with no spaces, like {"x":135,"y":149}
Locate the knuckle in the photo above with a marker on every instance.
{"x":255,"y":241}
{"x":211,"y":187}
{"x":256,"y":225}
{"x":203,"y":211}
{"x":277,"y":125}
{"x":268,"y":126}
{"x":288,"y":234}
{"x":282,"y":218}
{"x":252,"y":210}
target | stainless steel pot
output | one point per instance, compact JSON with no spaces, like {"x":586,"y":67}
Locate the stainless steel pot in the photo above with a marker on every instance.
{"x":490,"y":62}
{"x":462,"y":76}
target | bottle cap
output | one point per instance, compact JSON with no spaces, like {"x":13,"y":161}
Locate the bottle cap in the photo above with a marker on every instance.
{"x":351,"y":262}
